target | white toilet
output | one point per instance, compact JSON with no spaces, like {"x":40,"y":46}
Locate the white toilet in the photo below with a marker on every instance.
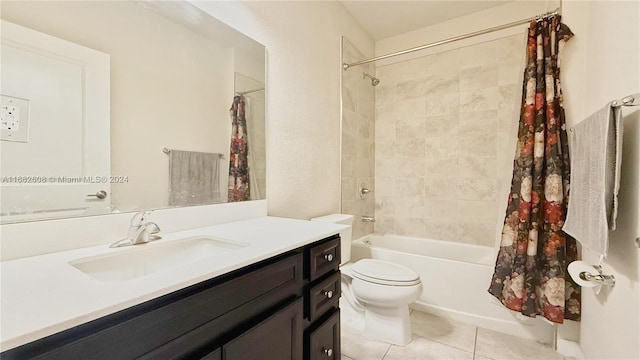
{"x":382,"y":289}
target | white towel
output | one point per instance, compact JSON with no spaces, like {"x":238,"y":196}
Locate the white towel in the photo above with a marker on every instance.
{"x":596,"y":153}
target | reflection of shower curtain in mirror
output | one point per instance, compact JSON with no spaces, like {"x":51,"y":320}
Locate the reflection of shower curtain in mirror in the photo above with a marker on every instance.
{"x":239,"y":184}
{"x":250,"y":114}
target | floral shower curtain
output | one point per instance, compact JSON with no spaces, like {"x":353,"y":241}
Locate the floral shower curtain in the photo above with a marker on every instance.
{"x":238,"y":156}
{"x":531,"y":269}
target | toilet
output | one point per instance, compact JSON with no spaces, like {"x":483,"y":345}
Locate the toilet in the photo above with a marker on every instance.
{"x":381,"y":289}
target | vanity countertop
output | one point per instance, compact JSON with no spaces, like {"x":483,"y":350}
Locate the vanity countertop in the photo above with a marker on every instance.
{"x":43,"y":295}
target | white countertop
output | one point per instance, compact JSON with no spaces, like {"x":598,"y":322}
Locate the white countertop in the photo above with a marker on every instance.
{"x":43,"y":295}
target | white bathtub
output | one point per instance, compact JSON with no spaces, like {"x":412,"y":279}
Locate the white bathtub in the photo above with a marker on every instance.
{"x":456,"y":277}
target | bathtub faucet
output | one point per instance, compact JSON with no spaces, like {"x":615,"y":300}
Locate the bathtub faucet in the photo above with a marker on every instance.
{"x":368,"y":219}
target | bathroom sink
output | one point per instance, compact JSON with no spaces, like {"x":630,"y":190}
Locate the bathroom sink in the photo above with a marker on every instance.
{"x":140,"y":260}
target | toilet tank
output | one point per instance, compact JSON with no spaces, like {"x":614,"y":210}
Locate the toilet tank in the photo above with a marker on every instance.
{"x":345,"y":235}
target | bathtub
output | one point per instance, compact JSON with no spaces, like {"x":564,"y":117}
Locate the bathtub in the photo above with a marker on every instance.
{"x":456,"y":277}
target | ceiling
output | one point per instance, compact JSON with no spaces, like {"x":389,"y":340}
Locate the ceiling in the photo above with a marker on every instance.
{"x":383,"y":19}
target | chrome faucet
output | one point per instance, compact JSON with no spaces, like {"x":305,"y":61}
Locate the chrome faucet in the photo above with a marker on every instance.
{"x":141,"y":231}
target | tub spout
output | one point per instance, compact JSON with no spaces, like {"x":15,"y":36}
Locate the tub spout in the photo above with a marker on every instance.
{"x":368,"y":219}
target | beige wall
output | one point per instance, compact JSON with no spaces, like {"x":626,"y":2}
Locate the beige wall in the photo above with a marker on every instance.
{"x":358,"y":136}
{"x":602,"y":63}
{"x":303,"y":99}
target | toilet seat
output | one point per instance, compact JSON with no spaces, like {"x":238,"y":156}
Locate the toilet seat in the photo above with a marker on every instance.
{"x":384,"y":273}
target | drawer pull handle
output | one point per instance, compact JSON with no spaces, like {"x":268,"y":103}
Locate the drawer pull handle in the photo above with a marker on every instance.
{"x":329,"y":257}
{"x":328,"y":352}
{"x":328,"y":294}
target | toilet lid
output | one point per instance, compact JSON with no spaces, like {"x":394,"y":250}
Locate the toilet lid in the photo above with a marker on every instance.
{"x":384,"y":272}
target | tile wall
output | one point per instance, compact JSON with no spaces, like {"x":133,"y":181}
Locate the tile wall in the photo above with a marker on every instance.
{"x":358,"y":135}
{"x":444,"y":124}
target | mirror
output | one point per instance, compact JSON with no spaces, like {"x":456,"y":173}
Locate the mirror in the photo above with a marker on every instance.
{"x":114,"y":106}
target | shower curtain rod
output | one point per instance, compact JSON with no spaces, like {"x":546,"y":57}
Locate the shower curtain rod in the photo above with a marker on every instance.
{"x":346,"y":66}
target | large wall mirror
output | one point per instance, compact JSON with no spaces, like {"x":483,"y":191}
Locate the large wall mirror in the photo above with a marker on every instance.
{"x":115,"y":106}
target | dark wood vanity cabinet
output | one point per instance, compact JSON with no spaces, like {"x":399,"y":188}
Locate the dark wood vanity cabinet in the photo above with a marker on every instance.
{"x":285,"y":307}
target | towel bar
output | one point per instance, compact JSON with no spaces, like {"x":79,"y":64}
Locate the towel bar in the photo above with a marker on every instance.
{"x":168,"y":151}
{"x":631,"y":100}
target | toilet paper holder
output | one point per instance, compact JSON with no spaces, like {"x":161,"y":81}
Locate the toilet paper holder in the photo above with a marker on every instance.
{"x":600,"y":279}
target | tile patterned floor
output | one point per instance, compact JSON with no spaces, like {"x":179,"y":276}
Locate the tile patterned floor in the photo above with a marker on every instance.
{"x":439,"y":338}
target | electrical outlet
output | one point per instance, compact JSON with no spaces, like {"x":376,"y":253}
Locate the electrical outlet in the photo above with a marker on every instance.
{"x":14,"y":119}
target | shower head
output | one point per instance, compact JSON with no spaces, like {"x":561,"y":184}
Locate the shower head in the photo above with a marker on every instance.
{"x":374,"y":80}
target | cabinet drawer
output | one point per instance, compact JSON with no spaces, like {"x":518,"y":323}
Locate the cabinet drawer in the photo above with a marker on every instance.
{"x":324,"y":258}
{"x":323,"y":296}
{"x":324,"y":342}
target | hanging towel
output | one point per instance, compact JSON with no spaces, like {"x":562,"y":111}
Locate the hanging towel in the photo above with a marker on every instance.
{"x":193,"y":178}
{"x":596,"y":153}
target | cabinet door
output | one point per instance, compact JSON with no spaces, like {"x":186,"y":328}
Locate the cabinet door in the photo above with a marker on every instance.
{"x":276,"y":338}
{"x":324,"y":341}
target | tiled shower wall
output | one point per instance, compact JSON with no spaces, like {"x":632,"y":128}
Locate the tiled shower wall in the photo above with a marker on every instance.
{"x":358,"y":134}
{"x":443,"y":128}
